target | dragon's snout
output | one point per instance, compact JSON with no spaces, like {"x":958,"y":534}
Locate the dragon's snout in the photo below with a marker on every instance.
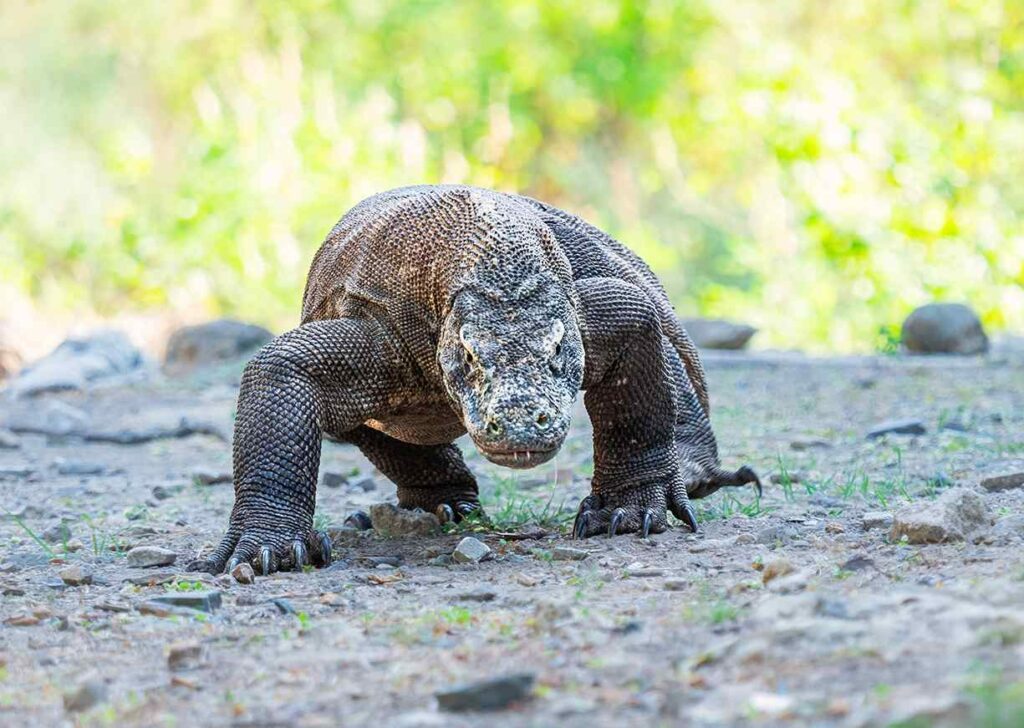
{"x":519,"y":432}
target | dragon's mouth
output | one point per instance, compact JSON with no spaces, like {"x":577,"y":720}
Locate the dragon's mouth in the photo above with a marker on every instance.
{"x":519,"y":458}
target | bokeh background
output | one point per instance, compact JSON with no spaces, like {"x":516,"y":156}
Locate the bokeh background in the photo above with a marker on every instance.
{"x":816,"y":169}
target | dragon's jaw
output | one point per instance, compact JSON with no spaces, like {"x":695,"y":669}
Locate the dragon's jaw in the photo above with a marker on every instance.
{"x":519,"y":459}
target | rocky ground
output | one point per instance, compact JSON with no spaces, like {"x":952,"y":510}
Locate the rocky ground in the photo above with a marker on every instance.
{"x":824,"y":603}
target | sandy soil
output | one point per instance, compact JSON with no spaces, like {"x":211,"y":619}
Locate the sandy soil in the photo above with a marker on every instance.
{"x":783,"y":611}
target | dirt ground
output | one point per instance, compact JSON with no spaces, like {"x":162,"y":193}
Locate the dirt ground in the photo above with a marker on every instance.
{"x":783,"y":611}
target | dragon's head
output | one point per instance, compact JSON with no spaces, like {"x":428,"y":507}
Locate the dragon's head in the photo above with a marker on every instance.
{"x":513,"y":364}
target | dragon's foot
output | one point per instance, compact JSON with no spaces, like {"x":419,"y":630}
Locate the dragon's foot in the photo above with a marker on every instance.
{"x":267,"y":551}
{"x":449,"y":504}
{"x":642,"y":511}
{"x":455,"y":512}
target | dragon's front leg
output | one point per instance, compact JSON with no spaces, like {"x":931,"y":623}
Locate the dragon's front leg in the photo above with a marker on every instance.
{"x":323,"y":376}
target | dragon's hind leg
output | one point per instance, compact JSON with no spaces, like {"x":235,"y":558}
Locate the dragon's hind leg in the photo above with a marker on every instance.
{"x":695,"y":441}
{"x":432,"y":477}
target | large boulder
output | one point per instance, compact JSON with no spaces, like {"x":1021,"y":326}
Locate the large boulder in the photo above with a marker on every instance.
{"x":211,"y":343}
{"x":718,"y":334}
{"x":78,"y":362}
{"x":944,"y":328}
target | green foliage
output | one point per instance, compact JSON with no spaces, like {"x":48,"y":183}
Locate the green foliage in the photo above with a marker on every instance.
{"x":815,"y":168}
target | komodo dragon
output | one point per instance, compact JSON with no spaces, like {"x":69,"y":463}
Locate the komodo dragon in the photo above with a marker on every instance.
{"x":433,"y":311}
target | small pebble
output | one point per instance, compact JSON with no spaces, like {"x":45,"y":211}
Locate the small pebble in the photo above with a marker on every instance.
{"x":775,"y":568}
{"x":876,"y":519}
{"x":470,"y":551}
{"x":183,"y":655}
{"x":243,"y":573}
{"x":1003,"y":481}
{"x":897,"y":427}
{"x":144,"y":557}
{"x":75,"y":576}
{"x":675,"y":584}
{"x":493,"y":694}
{"x":85,"y":696}
{"x":57,"y":533}
{"x":210,"y":476}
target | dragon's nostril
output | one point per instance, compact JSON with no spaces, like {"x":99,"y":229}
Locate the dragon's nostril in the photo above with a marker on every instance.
{"x":493,"y":428}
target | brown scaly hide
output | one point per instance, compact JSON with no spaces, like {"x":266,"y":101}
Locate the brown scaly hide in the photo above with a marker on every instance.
{"x":431,"y":311}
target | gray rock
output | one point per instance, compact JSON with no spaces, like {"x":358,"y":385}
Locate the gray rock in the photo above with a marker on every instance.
{"x":876,"y":519}
{"x":211,"y":343}
{"x":809,"y":443}
{"x":78,"y":362}
{"x":944,"y":328}
{"x":1007,"y":529}
{"x":390,"y":520}
{"x":85,"y":696}
{"x":567,"y":553}
{"x":366,"y":485}
{"x":956,"y":515}
{"x":477,"y":595}
{"x":184,"y":655}
{"x":144,"y":557}
{"x":168,"y":430}
{"x":897,"y":427}
{"x":333,"y":480}
{"x":494,"y":694}
{"x":778,"y":534}
{"x":244,"y":573}
{"x":8,"y":440}
{"x":470,"y":551}
{"x":206,"y":601}
{"x":52,"y":417}
{"x":163,"y":492}
{"x":210,"y":476}
{"x":75,"y":576}
{"x":78,"y":467}
{"x":1003,"y":481}
{"x":57,"y":533}
{"x":718,"y":334}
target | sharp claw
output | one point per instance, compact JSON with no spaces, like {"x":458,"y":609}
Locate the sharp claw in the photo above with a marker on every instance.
{"x":618,"y":516}
{"x":232,"y":563}
{"x":299,"y":554}
{"x":359,"y":520}
{"x":579,"y":526}
{"x":445,"y":514}
{"x":265,"y":557}
{"x":750,"y":476}
{"x":646,"y":526}
{"x":690,"y":517}
{"x":466,"y":508}
{"x":326,"y":548}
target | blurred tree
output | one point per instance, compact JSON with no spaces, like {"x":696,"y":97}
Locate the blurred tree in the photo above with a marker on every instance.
{"x":814,"y":168}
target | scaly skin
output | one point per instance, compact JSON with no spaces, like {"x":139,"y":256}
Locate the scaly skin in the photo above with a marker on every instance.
{"x":430,"y":312}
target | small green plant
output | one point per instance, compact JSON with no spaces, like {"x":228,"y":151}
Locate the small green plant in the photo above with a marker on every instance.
{"x":180,"y":585}
{"x":889,"y":340}
{"x":31,"y":534}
